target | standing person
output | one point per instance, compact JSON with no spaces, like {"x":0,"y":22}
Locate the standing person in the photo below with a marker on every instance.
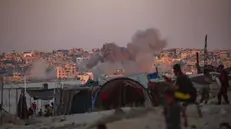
{"x":34,"y":106}
{"x":224,"y":80}
{"x":101,"y":126}
{"x":52,"y":109}
{"x":184,"y":90}
{"x":173,"y":111}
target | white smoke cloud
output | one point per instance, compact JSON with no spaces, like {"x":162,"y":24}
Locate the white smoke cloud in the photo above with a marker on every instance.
{"x":138,"y":57}
{"x":39,"y":70}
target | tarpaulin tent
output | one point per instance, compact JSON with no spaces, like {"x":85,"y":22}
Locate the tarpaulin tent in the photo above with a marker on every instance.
{"x":43,"y":94}
{"x":120,"y":92}
{"x":153,"y":76}
{"x":74,"y":100}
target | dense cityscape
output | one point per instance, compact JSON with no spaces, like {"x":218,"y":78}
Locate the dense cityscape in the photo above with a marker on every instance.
{"x":63,"y":64}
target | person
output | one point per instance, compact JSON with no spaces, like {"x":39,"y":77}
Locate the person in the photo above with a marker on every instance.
{"x":52,"y":109}
{"x":40,"y":113}
{"x":224,"y":80}
{"x":34,"y":106}
{"x":172,"y":111}
{"x":101,"y":126}
{"x":184,"y":90}
{"x":47,"y":110}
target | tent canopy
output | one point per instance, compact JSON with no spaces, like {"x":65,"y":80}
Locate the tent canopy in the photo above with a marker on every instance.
{"x":43,"y":94}
{"x":90,"y":83}
{"x":120,"y":92}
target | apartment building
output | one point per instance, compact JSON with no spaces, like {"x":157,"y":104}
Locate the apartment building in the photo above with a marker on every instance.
{"x":17,"y":77}
{"x":66,"y":71}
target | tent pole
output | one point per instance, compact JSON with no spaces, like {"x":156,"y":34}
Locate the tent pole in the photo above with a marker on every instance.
{"x":124,"y":95}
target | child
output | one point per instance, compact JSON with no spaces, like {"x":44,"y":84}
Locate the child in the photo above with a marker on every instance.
{"x":172,"y":111}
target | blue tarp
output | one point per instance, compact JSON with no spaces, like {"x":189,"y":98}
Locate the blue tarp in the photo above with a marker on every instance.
{"x":153,"y":76}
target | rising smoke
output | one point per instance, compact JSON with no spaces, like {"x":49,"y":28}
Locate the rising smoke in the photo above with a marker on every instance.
{"x":137,"y":57}
{"x":39,"y":70}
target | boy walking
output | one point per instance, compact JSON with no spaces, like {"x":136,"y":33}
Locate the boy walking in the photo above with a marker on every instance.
{"x":173,"y":111}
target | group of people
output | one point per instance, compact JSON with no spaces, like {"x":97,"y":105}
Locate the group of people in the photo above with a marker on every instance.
{"x":182,"y":90}
{"x":48,"y":111}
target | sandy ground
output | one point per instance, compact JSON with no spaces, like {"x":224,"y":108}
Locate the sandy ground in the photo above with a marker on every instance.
{"x":139,"y":118}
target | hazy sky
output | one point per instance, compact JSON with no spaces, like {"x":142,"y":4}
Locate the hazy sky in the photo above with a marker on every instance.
{"x":59,"y":24}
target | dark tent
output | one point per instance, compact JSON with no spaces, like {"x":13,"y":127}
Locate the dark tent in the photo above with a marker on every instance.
{"x":22,"y":111}
{"x":120,"y":92}
{"x":74,"y":100}
{"x":43,"y":94}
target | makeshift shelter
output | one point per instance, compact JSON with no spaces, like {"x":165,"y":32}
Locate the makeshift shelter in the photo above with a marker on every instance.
{"x":43,"y":94}
{"x":74,"y":100}
{"x":22,"y":111}
{"x":120,"y":92}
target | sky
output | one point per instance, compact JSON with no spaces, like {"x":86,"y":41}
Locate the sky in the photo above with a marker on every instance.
{"x":63,"y":24}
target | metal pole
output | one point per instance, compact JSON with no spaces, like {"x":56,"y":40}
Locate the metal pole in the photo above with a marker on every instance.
{"x":16,"y":101}
{"x":2,"y":79}
{"x":2,"y":88}
{"x":9,"y":100}
{"x":25,"y":85}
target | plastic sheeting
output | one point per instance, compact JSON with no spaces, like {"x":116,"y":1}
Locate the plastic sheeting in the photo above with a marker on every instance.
{"x":43,"y":94}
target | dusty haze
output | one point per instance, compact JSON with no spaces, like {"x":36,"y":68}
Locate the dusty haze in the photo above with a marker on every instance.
{"x":39,"y":70}
{"x":137,"y":57}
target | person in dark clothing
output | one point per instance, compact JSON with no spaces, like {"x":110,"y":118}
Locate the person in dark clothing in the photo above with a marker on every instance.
{"x":40,"y":113}
{"x":184,"y":90}
{"x":173,"y":111}
{"x":101,"y":126}
{"x":224,"y":80}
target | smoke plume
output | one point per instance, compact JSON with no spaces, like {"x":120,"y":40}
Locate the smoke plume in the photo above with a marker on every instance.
{"x":137,"y":57}
{"x":39,"y":70}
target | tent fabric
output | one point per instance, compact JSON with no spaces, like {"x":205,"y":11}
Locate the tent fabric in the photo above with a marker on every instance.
{"x":74,"y":100}
{"x":43,"y":94}
{"x":153,"y":76}
{"x":120,"y":92}
{"x":81,"y":102}
{"x":91,"y":83}
{"x":141,"y":78}
{"x":201,"y":79}
{"x":22,"y":111}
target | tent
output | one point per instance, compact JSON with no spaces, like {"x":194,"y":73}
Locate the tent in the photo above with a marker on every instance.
{"x":43,"y":94}
{"x":153,"y":76}
{"x":90,"y":83}
{"x":120,"y":92}
{"x":74,"y":100}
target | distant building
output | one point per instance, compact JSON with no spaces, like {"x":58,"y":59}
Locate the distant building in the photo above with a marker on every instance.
{"x":67,"y":71}
{"x":27,"y":54}
{"x":80,"y":59}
